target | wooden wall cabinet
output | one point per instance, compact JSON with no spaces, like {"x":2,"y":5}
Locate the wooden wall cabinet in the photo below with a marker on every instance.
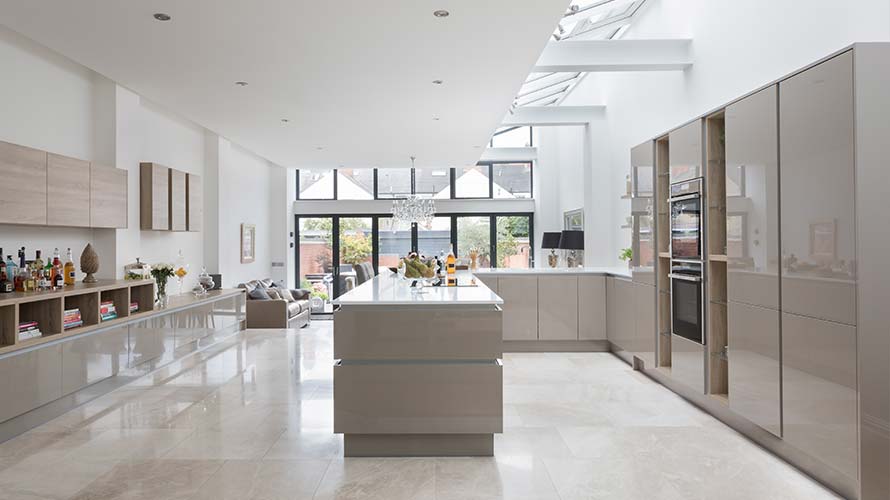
{"x":67,"y":191}
{"x":154,"y":197}
{"x":194,"y":200}
{"x":108,"y":196}
{"x":23,"y":190}
{"x":177,"y":205}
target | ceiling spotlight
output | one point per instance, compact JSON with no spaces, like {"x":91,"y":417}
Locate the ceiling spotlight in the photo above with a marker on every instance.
{"x":319,"y":148}
{"x":441,"y":13}
{"x":438,"y":82}
{"x":160,"y":16}
{"x":284,"y":120}
{"x":435,"y":118}
{"x":241,"y":84}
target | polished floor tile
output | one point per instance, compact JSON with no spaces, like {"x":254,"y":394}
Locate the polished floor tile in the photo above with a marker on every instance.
{"x":252,"y":419}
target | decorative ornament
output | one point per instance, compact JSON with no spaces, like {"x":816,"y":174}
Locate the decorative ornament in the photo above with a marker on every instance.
{"x":89,"y":263}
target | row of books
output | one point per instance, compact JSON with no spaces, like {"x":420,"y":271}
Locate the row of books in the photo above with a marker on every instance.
{"x":29,"y":330}
{"x":134,"y":307}
{"x":107,"y":311}
{"x":72,"y":319}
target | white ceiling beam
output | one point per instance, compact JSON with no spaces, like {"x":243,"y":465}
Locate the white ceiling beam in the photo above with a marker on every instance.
{"x":615,"y":55}
{"x":553,"y":115}
{"x":509,"y":154}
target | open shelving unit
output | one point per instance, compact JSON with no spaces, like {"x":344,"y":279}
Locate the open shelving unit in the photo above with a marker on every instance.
{"x":662,"y":245}
{"x":715,"y":177}
{"x":47,"y":309}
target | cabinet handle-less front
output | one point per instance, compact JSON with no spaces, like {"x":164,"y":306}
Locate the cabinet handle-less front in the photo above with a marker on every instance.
{"x":683,"y":277}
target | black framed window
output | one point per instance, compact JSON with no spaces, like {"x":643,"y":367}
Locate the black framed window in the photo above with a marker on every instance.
{"x":433,"y":182}
{"x":355,"y":183}
{"x":472,"y":182}
{"x":511,"y":180}
{"x":393,"y":182}
{"x":317,"y":184}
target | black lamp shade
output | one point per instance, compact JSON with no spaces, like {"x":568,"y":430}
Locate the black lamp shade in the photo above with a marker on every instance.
{"x":550,"y":240}
{"x":572,"y":240}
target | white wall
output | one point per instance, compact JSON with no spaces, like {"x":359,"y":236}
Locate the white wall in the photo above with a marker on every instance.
{"x":737,"y":46}
{"x":51,"y":103}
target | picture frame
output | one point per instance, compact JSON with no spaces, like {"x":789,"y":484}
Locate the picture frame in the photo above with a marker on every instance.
{"x":248,"y":243}
{"x":573,"y":219}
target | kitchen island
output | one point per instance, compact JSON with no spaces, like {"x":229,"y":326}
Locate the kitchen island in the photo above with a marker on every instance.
{"x":418,"y":372}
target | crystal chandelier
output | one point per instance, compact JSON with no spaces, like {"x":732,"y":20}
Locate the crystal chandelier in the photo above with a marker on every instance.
{"x":413,"y":209}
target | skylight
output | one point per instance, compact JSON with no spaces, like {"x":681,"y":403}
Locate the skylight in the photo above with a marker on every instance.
{"x":584,"y":20}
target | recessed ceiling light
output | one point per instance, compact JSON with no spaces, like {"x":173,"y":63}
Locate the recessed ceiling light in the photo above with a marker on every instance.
{"x":441,"y":13}
{"x":160,"y":16}
{"x":435,"y":118}
{"x":284,"y":120}
{"x":319,"y":148}
{"x":241,"y":84}
{"x":438,"y":82}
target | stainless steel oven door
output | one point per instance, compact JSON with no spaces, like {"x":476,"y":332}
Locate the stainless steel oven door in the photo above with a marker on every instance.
{"x":687,"y":301}
{"x":686,"y":227}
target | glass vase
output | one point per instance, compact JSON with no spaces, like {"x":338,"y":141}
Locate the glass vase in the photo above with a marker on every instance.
{"x":162,"y":291}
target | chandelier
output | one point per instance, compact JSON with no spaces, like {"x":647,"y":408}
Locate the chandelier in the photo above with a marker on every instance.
{"x":413,"y":210}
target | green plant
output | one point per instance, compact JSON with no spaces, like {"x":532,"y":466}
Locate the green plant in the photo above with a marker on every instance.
{"x":626,"y":254}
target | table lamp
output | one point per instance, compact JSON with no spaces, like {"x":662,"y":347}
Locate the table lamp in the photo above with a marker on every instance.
{"x":572,"y":240}
{"x":551,"y":241}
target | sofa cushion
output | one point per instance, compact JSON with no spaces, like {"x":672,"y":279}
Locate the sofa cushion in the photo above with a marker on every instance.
{"x":293,"y":309}
{"x":265,"y":283}
{"x":301,"y":294}
{"x":258,"y":294}
{"x":285,"y":294}
{"x":274,"y":294}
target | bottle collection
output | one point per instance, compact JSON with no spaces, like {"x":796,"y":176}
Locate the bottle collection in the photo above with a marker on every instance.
{"x":37,"y":274}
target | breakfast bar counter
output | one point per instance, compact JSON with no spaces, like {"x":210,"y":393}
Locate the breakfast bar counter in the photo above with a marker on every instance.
{"x":418,"y":372}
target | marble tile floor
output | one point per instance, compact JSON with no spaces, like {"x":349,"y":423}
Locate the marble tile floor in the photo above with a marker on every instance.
{"x":254,"y":421}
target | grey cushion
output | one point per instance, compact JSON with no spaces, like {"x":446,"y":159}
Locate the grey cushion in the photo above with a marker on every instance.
{"x":285,"y":294}
{"x":300,"y":294}
{"x":258,"y":294}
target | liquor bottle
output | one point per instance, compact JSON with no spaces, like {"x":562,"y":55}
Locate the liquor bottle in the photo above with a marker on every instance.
{"x":58,"y":280}
{"x":6,"y":285}
{"x":451,"y":261}
{"x":70,"y":270}
{"x":22,"y":278}
{"x":48,"y":275}
{"x":31,"y":278}
{"x":11,"y":269}
{"x":38,"y":262}
{"x":57,"y":263}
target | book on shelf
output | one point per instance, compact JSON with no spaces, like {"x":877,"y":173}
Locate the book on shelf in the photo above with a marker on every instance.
{"x":27,"y":324}
{"x":73,"y":324}
{"x":30,"y":334}
{"x":109,"y":316}
{"x":134,"y":306}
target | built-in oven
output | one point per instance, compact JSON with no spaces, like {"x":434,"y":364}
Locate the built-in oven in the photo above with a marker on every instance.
{"x":686,"y":219}
{"x":687,"y":300}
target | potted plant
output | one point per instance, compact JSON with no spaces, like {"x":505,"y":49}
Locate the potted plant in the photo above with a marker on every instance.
{"x":161,"y":273}
{"x":626,"y":255}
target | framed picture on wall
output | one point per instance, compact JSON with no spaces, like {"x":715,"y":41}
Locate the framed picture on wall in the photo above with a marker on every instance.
{"x":248,"y":243}
{"x":574,"y":219}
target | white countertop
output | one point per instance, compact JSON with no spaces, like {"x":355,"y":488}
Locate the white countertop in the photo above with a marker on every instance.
{"x":622,"y":272}
{"x":387,"y":289}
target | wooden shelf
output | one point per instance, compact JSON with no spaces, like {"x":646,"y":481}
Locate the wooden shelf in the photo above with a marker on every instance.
{"x":717,"y":258}
{"x":664,"y":255}
{"x":721,"y":398}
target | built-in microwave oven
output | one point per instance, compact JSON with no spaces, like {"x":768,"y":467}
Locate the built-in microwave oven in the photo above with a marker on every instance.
{"x":686,"y":203}
{"x":687,"y":300}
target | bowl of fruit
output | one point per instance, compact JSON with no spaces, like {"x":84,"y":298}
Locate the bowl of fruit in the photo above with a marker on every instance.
{"x":416,"y":267}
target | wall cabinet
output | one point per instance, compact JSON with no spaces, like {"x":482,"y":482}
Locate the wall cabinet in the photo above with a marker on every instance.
{"x":686,"y":152}
{"x":520,"y":317}
{"x":154,"y":197}
{"x":67,"y":191}
{"x":177,"y":206}
{"x":23,"y":190}
{"x":558,"y":307}
{"x":591,"y":307}
{"x":817,"y":186}
{"x":194,"y":198}
{"x":108,"y":196}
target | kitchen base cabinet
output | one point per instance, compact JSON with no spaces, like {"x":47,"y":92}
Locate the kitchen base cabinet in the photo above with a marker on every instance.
{"x":754,"y":365}
{"x":153,"y":340}
{"x":644,"y":337}
{"x":520,"y":294}
{"x":92,"y":358}
{"x":620,"y":301}
{"x":558,"y":308}
{"x":29,"y":380}
{"x":688,"y":363}
{"x":591,"y":308}
{"x":819,"y":384}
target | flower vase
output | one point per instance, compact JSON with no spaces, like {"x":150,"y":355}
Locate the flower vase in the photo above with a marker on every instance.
{"x":162,"y":292}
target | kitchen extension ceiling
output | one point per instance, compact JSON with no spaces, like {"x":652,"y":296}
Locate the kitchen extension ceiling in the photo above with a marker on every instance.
{"x":323,"y":83}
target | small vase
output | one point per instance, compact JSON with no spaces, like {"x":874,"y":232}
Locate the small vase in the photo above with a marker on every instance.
{"x":162,"y":292}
